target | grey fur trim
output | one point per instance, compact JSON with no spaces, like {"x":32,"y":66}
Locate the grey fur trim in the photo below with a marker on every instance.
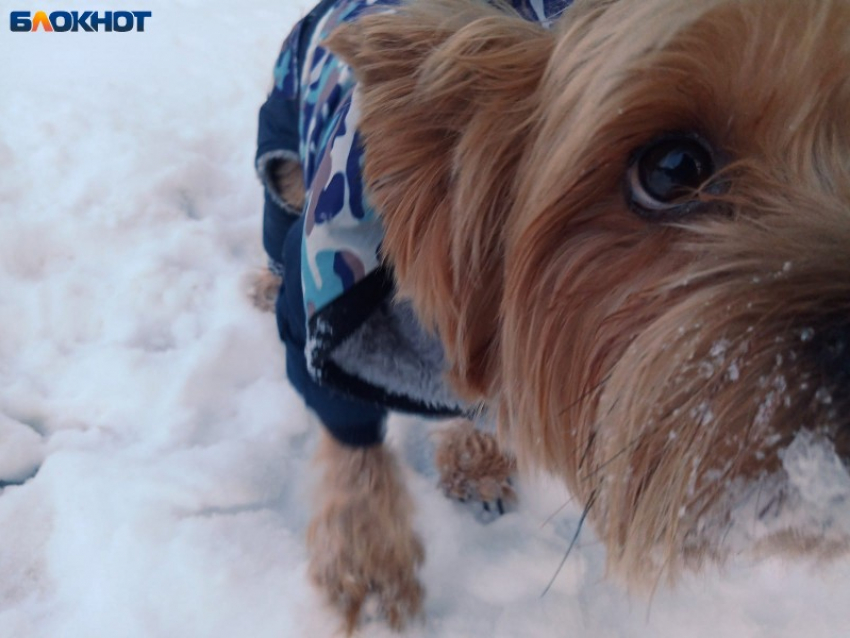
{"x":264,"y":164}
{"x":391,"y":350}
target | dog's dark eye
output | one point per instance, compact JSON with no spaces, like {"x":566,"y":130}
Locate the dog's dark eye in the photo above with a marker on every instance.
{"x":664,"y":175}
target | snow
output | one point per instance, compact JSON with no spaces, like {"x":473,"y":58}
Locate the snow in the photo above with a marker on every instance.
{"x":810,"y":495}
{"x":817,"y":474}
{"x":173,"y":481}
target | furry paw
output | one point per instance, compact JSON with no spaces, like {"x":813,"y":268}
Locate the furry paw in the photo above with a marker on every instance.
{"x":362,"y":545}
{"x":472,"y":468}
{"x":263,"y":287}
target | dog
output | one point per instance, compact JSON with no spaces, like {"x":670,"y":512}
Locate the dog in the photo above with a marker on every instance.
{"x":623,"y":230}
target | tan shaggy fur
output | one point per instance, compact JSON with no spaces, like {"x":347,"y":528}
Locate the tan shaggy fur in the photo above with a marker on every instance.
{"x":361,"y":538}
{"x":288,"y":180}
{"x":649,"y":363}
{"x":653,"y":364}
{"x":472,"y":466}
{"x":263,"y":287}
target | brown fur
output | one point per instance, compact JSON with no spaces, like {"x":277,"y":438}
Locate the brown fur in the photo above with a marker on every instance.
{"x":361,"y":538}
{"x":472,"y":467}
{"x":478,"y":82}
{"x":263,"y":286}
{"x":288,"y":180}
{"x":496,"y":153}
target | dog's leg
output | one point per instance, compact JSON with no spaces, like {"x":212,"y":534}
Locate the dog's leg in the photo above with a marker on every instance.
{"x":361,"y":540}
{"x":263,"y":286}
{"x":286,"y":180}
{"x":472,"y":467}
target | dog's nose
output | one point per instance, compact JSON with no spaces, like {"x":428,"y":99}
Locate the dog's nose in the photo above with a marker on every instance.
{"x":831,"y":349}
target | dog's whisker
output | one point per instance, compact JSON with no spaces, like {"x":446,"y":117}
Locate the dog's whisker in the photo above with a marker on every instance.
{"x":585,"y":395}
{"x":591,"y":437}
{"x":761,"y":513}
{"x":581,"y":520}
{"x":758,"y":513}
{"x":560,"y":509}
{"x":625,"y":449}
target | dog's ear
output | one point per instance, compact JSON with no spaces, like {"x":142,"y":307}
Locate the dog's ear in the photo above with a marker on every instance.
{"x":447,"y":91}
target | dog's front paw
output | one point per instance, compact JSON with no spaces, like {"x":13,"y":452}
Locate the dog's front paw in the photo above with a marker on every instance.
{"x":355,"y":564}
{"x":362,"y":545}
{"x":473,"y":468}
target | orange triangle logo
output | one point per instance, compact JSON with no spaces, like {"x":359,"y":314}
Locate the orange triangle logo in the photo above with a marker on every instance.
{"x":41,"y":19}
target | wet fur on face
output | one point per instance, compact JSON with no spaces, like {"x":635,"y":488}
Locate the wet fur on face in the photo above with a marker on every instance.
{"x":658,"y":363}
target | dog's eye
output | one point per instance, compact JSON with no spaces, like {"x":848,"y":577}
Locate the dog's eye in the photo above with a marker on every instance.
{"x":665,"y":174}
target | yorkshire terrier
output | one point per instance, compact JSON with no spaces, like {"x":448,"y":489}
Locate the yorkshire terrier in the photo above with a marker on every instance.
{"x":617,"y":229}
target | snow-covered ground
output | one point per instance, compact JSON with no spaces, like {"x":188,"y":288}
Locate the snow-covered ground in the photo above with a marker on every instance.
{"x":174,"y":481}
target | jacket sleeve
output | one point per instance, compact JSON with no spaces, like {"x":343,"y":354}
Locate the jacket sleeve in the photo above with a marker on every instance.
{"x":278,"y":142}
